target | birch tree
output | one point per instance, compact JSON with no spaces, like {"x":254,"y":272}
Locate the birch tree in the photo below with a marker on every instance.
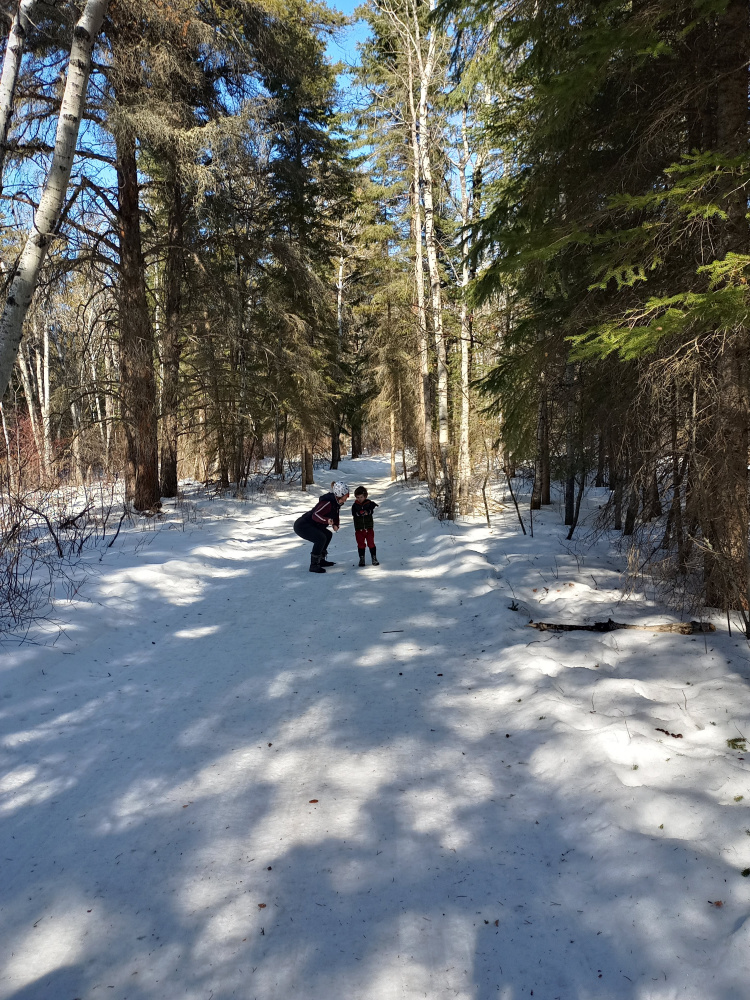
{"x":25,"y":273}
{"x":14,"y":49}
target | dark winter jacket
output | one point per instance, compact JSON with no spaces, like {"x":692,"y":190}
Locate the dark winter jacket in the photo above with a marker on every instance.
{"x":327,"y":507}
{"x":362,"y":514}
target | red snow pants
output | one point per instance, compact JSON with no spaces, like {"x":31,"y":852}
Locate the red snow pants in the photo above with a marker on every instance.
{"x":365,"y":536}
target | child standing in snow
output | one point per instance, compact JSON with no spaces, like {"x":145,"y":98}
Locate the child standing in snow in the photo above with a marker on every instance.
{"x":313,"y":525}
{"x":364,"y":529}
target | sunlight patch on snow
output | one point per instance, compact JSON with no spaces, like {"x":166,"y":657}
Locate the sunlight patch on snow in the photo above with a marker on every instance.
{"x":160,"y":579}
{"x":145,"y":798}
{"x":54,"y":942}
{"x":32,"y":795}
{"x":401,"y":651}
{"x":197,"y":633}
{"x":15,"y":779}
{"x":679,"y":815}
{"x":227,"y":776}
{"x":428,"y":619}
{"x":284,"y":683}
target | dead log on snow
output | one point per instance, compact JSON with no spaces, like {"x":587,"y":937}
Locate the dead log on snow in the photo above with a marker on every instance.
{"x":683,"y":628}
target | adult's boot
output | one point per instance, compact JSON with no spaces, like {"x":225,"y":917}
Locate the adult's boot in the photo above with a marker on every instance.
{"x":373,"y":556}
{"x":315,"y":566}
{"x":361,"y":556}
{"x":324,"y":560}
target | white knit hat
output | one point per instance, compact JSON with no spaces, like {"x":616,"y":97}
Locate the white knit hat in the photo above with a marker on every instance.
{"x":340,"y":490}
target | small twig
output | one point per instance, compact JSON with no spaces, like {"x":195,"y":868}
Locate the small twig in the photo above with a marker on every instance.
{"x":515,"y":504}
{"x":125,"y":513}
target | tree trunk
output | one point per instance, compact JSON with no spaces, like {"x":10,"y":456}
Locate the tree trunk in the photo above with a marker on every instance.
{"x":278,"y":449}
{"x":8,"y":451}
{"x":44,"y":400}
{"x":171,"y":344}
{"x":356,"y":434}
{"x":426,"y":66}
{"x":14,"y":46}
{"x":31,"y":406}
{"x":402,"y":431}
{"x":600,"y":461}
{"x":393,"y":444}
{"x":633,"y":498}
{"x":335,"y":445}
{"x":570,"y":449}
{"x":425,"y":408}
{"x":541,"y":461}
{"x":23,"y":283}
{"x":464,"y":444}
{"x":137,"y":382}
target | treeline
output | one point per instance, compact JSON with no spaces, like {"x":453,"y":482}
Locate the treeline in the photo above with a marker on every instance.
{"x":567,"y":187}
{"x":185,"y":313}
{"x":614,"y":236}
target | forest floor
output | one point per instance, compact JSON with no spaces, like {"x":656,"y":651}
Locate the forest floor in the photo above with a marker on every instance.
{"x":229,"y":777}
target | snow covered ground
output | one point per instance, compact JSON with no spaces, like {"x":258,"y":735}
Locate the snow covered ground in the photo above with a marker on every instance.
{"x":233,"y":778}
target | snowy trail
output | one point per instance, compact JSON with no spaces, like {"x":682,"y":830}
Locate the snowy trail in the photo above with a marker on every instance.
{"x":233,"y":778}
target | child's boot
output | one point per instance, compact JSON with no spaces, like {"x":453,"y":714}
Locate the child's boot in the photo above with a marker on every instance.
{"x":361,"y":556}
{"x":315,"y":566}
{"x":373,"y":556}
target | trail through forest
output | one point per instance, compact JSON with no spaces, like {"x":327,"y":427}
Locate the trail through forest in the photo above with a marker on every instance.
{"x":232,"y":778}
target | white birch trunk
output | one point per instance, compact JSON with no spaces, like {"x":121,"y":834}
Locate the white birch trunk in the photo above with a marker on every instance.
{"x":8,"y":452}
{"x":98,"y":404}
{"x":464,"y":453}
{"x":11,"y":67}
{"x":426,"y":65}
{"x":424,"y":357}
{"x":45,"y":401}
{"x":29,"y":394}
{"x":340,"y":296}
{"x":47,"y":216}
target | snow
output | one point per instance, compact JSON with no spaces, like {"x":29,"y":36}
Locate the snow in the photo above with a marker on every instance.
{"x":229,"y":777}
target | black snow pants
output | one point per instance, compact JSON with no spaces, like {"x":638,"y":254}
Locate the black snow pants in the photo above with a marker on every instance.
{"x":318,"y":535}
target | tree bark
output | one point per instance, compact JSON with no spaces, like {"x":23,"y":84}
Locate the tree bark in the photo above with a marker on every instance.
{"x":600,"y":461}
{"x":393,"y":444}
{"x":570,"y":448}
{"x":31,"y":406}
{"x":137,"y":382}
{"x":14,"y":46}
{"x":541,"y":460}
{"x":425,"y":407}
{"x":464,"y":443}
{"x":171,"y":345}
{"x":279,"y":444}
{"x":47,"y":216}
{"x":335,"y":445}
{"x":426,"y":65}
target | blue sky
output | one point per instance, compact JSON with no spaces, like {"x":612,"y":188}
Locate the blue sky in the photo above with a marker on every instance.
{"x":345,"y":48}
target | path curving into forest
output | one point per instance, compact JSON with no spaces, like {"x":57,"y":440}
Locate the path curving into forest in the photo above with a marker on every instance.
{"x":234,"y":778}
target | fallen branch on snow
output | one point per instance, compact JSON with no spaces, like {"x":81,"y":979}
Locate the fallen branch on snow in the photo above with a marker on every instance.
{"x":683,"y":628}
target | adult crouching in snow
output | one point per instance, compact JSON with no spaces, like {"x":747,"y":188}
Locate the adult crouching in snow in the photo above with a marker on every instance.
{"x":314,"y":524}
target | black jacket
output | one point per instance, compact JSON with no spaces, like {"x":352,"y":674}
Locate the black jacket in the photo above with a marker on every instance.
{"x":327,"y":507}
{"x":362,"y":514}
